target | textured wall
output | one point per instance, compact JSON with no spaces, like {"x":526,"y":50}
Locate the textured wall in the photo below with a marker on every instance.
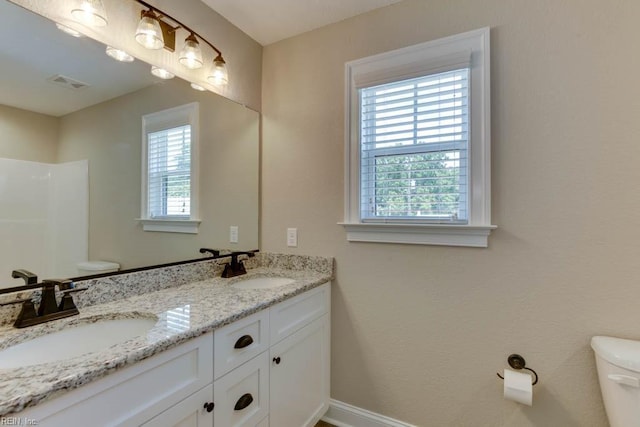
{"x":109,"y":135}
{"x":25,"y":135}
{"x":419,"y":332}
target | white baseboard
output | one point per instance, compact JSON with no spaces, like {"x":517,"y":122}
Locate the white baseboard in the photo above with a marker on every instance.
{"x":342,"y":414}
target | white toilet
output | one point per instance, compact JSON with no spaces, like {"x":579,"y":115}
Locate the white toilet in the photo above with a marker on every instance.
{"x":90,"y":268}
{"x":618,"y":362}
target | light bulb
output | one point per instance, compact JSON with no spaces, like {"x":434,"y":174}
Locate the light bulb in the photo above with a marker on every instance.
{"x":196,"y":86}
{"x":149,"y":33}
{"x":119,"y":55}
{"x":218,"y":75}
{"x":90,"y":12}
{"x":68,"y":30}
{"x":191,"y":55}
{"x":162,"y":73}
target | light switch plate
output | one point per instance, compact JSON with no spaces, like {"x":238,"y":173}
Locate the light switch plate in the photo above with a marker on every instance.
{"x":292,"y":237}
{"x":233,"y":234}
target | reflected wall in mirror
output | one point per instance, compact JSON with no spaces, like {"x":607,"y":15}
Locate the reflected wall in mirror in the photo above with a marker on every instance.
{"x":101,"y":125}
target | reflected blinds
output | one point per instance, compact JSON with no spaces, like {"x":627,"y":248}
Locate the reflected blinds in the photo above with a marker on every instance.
{"x":169,"y":172}
{"x":414,"y":138}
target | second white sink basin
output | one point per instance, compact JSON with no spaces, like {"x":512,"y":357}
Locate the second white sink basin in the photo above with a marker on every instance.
{"x":263,"y":283}
{"x":74,"y":341}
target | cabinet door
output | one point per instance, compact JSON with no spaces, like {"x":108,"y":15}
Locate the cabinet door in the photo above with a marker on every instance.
{"x":191,"y":412}
{"x":293,"y":314}
{"x":299,"y":376}
{"x":133,"y":395}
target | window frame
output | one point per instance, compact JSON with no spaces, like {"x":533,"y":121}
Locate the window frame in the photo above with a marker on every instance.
{"x":187,"y":114}
{"x":470,"y":48}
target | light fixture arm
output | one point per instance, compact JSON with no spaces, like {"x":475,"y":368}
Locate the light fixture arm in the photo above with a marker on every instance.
{"x":180,"y":25}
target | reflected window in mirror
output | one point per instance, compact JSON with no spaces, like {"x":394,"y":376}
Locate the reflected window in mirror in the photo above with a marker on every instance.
{"x":170,"y":170}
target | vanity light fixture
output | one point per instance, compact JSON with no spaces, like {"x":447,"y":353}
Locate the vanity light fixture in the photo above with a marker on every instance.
{"x":89,"y":12}
{"x":218,"y":75}
{"x":154,"y":33}
{"x":67,"y":30}
{"x":119,"y":55}
{"x":149,"y":33}
{"x":162,"y":73}
{"x":191,"y":55}
{"x":197,"y":87}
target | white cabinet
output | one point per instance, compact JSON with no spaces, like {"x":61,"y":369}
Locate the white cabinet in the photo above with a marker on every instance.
{"x":278,"y":360}
{"x":135,"y":394}
{"x":300,"y":358}
{"x":239,"y":342}
{"x":292,"y":314}
{"x":242,"y":395}
{"x":267,"y":369}
{"x":194,"y":411}
{"x":299,"y":380}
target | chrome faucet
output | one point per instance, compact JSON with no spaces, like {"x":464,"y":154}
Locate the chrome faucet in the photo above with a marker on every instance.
{"x":49,"y":309}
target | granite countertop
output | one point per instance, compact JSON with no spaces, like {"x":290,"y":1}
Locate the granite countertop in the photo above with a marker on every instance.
{"x":202,"y":305}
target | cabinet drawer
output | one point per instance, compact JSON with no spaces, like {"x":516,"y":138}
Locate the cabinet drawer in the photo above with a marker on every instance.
{"x":240,"y":341}
{"x":190,"y":412}
{"x":135,"y":394}
{"x":292,"y":315}
{"x":242,"y":396}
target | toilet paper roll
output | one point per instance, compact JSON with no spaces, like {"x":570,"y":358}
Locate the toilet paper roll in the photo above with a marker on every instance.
{"x":518,"y":387}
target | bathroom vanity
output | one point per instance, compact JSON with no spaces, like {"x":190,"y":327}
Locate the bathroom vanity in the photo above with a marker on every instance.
{"x":220,"y":353}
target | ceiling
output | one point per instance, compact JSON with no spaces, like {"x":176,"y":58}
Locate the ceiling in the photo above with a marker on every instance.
{"x":273,"y":20}
{"x":45,"y":52}
{"x":31,"y":61}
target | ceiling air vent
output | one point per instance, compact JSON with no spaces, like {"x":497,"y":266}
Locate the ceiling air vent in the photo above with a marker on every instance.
{"x":67,"y":82}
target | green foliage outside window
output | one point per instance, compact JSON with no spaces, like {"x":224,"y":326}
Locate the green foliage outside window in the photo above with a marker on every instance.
{"x":418,"y":185}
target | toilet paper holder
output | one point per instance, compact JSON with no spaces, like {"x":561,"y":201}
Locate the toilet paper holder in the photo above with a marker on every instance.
{"x":517,"y":362}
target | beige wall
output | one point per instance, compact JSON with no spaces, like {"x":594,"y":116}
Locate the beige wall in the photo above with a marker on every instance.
{"x":27,"y":135}
{"x":109,"y":135}
{"x":419,"y":332}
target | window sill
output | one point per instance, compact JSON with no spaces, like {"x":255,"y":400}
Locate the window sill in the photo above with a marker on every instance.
{"x":420,"y":234}
{"x":189,"y":226}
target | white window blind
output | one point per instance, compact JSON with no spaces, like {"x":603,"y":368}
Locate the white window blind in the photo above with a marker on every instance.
{"x":414,"y":142}
{"x":169,"y":173}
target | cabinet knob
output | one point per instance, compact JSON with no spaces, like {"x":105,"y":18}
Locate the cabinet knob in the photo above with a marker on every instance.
{"x":209,"y":406}
{"x":244,"y":401}
{"x":276,"y":360}
{"x":243,"y":341}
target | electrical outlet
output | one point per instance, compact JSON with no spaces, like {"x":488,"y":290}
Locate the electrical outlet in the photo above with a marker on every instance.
{"x":292,"y":237}
{"x":233,"y":234}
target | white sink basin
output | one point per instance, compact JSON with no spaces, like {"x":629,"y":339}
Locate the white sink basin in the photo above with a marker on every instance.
{"x":74,"y":341}
{"x":263,"y":283}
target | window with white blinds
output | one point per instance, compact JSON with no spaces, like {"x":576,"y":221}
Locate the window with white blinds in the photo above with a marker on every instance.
{"x":170,"y":170}
{"x":419,"y":142}
{"x":169,"y":177}
{"x":414,"y":144}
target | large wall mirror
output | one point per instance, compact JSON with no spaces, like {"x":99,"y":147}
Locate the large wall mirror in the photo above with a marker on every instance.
{"x":46,"y":120}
